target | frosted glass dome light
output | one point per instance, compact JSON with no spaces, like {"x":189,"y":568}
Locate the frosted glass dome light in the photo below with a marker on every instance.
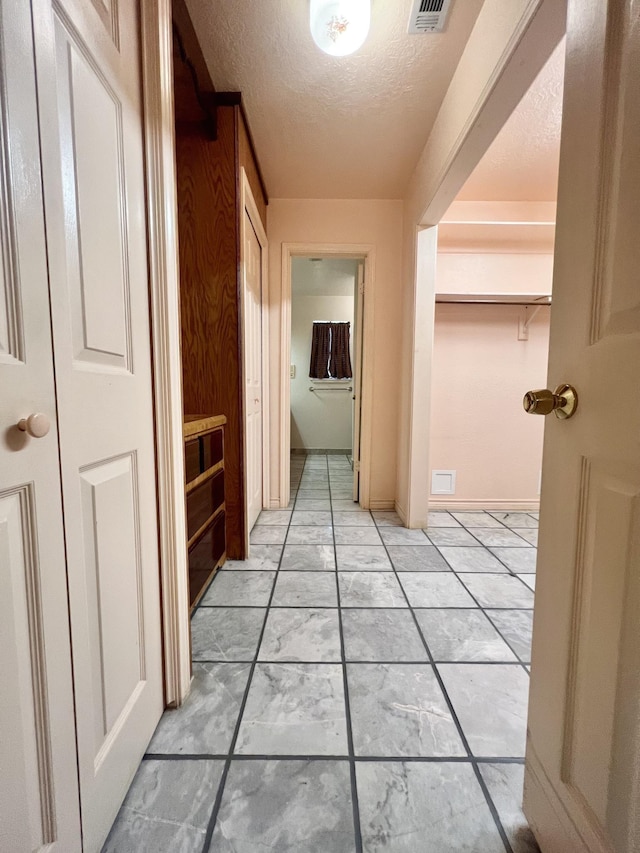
{"x":339,"y":27}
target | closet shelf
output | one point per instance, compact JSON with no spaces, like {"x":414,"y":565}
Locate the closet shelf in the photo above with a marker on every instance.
{"x":536,"y":299}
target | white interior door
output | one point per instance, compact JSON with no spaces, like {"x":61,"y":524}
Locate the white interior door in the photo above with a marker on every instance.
{"x":89,"y":87}
{"x":582,"y":790}
{"x":252,"y":346}
{"x":357,"y":379}
{"x":39,"y":807}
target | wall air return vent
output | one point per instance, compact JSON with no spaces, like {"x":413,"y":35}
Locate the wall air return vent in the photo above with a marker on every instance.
{"x":428,"y":16}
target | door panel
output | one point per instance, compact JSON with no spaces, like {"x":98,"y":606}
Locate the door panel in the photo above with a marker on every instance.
{"x":584,"y":725}
{"x":252,"y":345}
{"x":39,"y":807}
{"x":89,"y":87}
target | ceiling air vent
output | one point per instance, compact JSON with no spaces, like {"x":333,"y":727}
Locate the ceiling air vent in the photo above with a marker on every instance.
{"x":428,"y":16}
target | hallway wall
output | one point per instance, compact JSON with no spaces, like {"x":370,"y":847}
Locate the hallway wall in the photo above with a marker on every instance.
{"x":377,"y":223}
{"x":321,"y":420}
{"x":478,"y":426}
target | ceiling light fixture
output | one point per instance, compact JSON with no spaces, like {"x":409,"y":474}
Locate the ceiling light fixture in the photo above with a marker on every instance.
{"x":339,"y":27}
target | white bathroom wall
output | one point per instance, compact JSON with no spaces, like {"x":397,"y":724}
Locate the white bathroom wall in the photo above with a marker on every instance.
{"x":321,"y":290}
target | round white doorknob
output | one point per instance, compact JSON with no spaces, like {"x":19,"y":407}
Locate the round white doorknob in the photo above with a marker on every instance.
{"x":37,"y":425}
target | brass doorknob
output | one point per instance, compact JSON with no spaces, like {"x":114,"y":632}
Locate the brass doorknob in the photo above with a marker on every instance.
{"x":563,"y":401}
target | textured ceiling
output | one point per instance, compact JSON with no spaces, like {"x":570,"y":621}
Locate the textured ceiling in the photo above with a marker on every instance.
{"x":328,"y":127}
{"x":522,"y":162}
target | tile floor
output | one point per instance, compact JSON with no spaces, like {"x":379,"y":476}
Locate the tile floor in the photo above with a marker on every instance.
{"x":357,"y":687}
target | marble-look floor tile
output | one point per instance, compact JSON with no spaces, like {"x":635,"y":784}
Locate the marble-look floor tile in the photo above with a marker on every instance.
{"x":424,"y":808}
{"x":308,"y":558}
{"x":357,"y":536}
{"x":400,"y":710}
{"x":477,"y":519}
{"x":167,"y":808}
{"x":381,"y":635}
{"x":305,"y":589}
{"x":294,"y":709}
{"x":370,"y":589}
{"x":313,"y":494}
{"x":274,"y":516}
{"x":348,"y":506}
{"x":516,"y":519}
{"x":387,"y":519}
{"x":498,"y":590}
{"x":490,"y":701}
{"x":315,"y":535}
{"x":319,"y":504}
{"x":230,"y":589}
{"x":352,"y":519}
{"x":441,"y":519}
{"x":312,"y":482}
{"x":207,"y":720}
{"x":530,"y":535}
{"x":268,"y":535}
{"x":362,"y":558}
{"x":471,"y":560}
{"x":306,"y":634}
{"x":226,"y":633}
{"x":286,"y":807}
{"x":505,"y":783}
{"x":462,"y":635}
{"x":435,"y":589}
{"x":530,"y":580}
{"x":502,"y":537}
{"x":446,"y":536}
{"x":516,"y":627}
{"x":261,"y":558}
{"x":417,"y":558}
{"x":311,"y":518}
{"x":519,"y":560}
{"x":403,"y":536}
{"x":338,"y":494}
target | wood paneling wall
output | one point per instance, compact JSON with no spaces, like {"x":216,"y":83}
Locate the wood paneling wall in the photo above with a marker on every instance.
{"x":208,"y":230}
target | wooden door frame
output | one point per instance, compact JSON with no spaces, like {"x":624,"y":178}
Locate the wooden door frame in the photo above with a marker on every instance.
{"x":248,"y":205}
{"x":365,"y":252}
{"x":164,"y":305}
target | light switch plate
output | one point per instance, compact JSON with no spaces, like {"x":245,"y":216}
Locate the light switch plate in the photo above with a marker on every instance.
{"x":292,"y":371}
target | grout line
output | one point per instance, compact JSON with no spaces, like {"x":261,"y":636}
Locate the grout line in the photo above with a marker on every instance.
{"x":357,"y":759}
{"x":355,"y":804}
{"x":223,"y":779}
{"x":397,"y":662}
{"x":349,"y":607}
{"x":454,"y":716}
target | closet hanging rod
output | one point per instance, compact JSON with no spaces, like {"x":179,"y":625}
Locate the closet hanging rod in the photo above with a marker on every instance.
{"x":342,"y":388}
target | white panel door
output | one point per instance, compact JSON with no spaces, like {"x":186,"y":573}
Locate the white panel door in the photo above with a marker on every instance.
{"x":88,"y":66}
{"x":39,"y":807}
{"x":582,"y":790}
{"x":252,"y":346}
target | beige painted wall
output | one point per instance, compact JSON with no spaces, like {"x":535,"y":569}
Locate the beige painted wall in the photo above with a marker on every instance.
{"x":371,"y":222}
{"x":478,"y":426}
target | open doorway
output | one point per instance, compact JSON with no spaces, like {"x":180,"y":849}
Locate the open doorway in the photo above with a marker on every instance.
{"x":327,"y":302}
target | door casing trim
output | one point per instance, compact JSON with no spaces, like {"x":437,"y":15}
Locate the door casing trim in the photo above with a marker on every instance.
{"x":164,"y":304}
{"x":366,"y":252}
{"x":248,"y":205}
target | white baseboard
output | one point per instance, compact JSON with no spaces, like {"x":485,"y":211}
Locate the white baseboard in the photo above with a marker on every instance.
{"x":461,"y":504}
